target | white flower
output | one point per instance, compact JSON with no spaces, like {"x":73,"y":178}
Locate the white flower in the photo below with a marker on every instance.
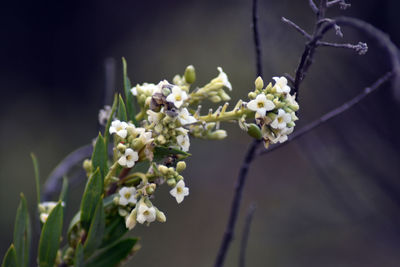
{"x":183,"y":142}
{"x":177,"y":96}
{"x":130,"y":220}
{"x":261,"y":105}
{"x":129,"y":158}
{"x":281,"y":120}
{"x":281,"y":85}
{"x":147,"y":89}
{"x":119,"y":127}
{"x":153,"y":116}
{"x":43,"y":217}
{"x":146,"y":214}
{"x":185,"y":117}
{"x":127,"y":195}
{"x":179,"y":192}
{"x":224,"y":78}
{"x":182,"y":130}
{"x":104,"y":114}
{"x":145,"y":137}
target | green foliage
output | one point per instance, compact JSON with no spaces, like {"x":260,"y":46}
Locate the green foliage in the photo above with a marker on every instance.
{"x":128,"y":95}
{"x":160,"y":152}
{"x":99,"y":156}
{"x":22,"y":233}
{"x":91,"y":196}
{"x":64,"y":190}
{"x":37,"y":177}
{"x":50,"y":237}
{"x":10,"y":259}
{"x":122,"y":115}
{"x":115,"y":230}
{"x":96,"y":230}
{"x":113,"y":255}
{"x":107,"y":128}
{"x":79,"y":256}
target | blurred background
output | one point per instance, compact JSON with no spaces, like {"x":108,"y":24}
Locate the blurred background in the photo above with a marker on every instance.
{"x":331,"y":198}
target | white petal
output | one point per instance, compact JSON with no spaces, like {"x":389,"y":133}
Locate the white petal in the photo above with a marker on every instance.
{"x":185,"y":191}
{"x":262,"y":111}
{"x":269,"y":105}
{"x":141,"y":218}
{"x":122,"y":133}
{"x":122,"y":161}
{"x":123,"y":201}
{"x":173,"y":192}
{"x":130,"y":163}
{"x":179,"y":198}
{"x":252,"y":105}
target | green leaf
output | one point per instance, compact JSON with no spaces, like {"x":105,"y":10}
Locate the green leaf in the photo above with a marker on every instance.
{"x":37,"y":177}
{"x":128,"y":94}
{"x":115,"y":229}
{"x":50,"y":237}
{"x":113,"y":255}
{"x":79,"y":258}
{"x":160,"y":152}
{"x":73,"y":226}
{"x":10,"y":259}
{"x":99,"y":156}
{"x":122,"y":110}
{"x":64,"y":190}
{"x":107,"y":129}
{"x":22,"y":233}
{"x":91,"y":196}
{"x":96,"y":230}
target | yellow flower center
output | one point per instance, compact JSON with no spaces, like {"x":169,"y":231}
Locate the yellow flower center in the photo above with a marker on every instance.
{"x":127,"y":195}
{"x":178,"y":97}
{"x":280,"y":119}
{"x":179,"y":190}
{"x":146,"y":212}
{"x":260,"y":104}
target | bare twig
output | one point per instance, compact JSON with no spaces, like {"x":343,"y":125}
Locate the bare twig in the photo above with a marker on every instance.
{"x":314,"y":8}
{"x":342,"y":4}
{"x":297,"y":28}
{"x":245,"y":235}
{"x":331,"y":114}
{"x":235,"y":206}
{"x":361,"y":48}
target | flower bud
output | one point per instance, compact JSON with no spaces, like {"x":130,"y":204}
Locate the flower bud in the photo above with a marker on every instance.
{"x":87,"y":165}
{"x":259,"y":83}
{"x":252,"y":95}
{"x":121,"y":147}
{"x":160,"y":216}
{"x":163,"y":169}
{"x":254,"y":131}
{"x":171,"y":182}
{"x":218,"y":135}
{"x":180,"y":166}
{"x":130,"y":221}
{"x":190,"y":74}
{"x":224,"y":96}
{"x":179,"y":177}
{"x":215,"y":99}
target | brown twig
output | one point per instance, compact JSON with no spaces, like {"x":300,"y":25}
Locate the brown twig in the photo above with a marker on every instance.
{"x":246,"y":234}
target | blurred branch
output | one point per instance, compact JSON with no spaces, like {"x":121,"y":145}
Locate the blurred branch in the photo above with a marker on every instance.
{"x":361,"y":48}
{"x":235,"y":206}
{"x":245,"y":235}
{"x":331,"y":114}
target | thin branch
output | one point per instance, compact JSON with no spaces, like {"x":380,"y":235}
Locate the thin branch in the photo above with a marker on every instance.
{"x":361,"y":48}
{"x":314,"y":8}
{"x":245,"y":235}
{"x":237,"y":198}
{"x":331,"y":114}
{"x":256,"y":36}
{"x":342,"y":3}
{"x":297,"y":28}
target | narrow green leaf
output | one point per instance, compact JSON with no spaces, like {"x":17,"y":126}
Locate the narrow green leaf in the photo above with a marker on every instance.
{"x":160,"y":152}
{"x":22,"y":233}
{"x":73,"y":226}
{"x":50,"y":237}
{"x":115,"y":229}
{"x":130,"y":105}
{"x":96,"y":230}
{"x":79,"y":258}
{"x":37,"y":177}
{"x":10,"y":259}
{"x":113,"y":255}
{"x":122,"y":110}
{"x":64,"y":190}
{"x":91,"y":196}
{"x":99,"y":156}
{"x":107,"y":129}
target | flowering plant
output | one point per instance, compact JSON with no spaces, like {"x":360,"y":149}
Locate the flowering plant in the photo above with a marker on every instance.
{"x":148,"y":150}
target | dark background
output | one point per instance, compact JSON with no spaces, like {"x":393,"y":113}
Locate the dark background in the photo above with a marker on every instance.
{"x":329,"y":199}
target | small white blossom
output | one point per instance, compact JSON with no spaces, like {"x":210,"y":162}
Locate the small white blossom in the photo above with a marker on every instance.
{"x":185,"y":117}
{"x":119,"y":127}
{"x":177,"y":96}
{"x":127,"y":195}
{"x":43,"y":217}
{"x":261,"y":104}
{"x":183,"y":142}
{"x":153,"y":116}
{"x":179,"y":192}
{"x":281,"y":85}
{"x":146,"y":214}
{"x":104,"y":114}
{"x":129,"y":158}
{"x":147,"y":89}
{"x":145,"y":137}
{"x":130,"y":220}
{"x":224,"y":78}
{"x":281,"y":120}
{"x":182,"y":130}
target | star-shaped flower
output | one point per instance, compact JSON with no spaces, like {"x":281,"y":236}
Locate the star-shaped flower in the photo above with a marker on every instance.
{"x":177,"y":96}
{"x":119,"y":127}
{"x":261,"y":104}
{"x":224,"y":78}
{"x":129,"y":158}
{"x":281,"y":120}
{"x":281,"y":85}
{"x":185,"y":117}
{"x":179,"y":192}
{"x":127,"y":195}
{"x":146,"y":214}
{"x":184,"y":142}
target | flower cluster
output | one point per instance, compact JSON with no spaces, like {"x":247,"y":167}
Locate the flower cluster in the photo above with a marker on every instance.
{"x":45,"y":208}
{"x":274,"y":108}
